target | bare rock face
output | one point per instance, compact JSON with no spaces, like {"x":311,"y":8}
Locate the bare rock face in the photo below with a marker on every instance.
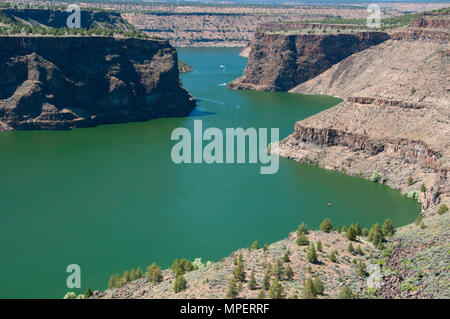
{"x":279,"y":62}
{"x":66,"y":82}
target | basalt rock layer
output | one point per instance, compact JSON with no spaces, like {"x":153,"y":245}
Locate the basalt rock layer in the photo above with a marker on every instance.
{"x":67,"y":82}
{"x":395,"y":120}
{"x":279,"y":62}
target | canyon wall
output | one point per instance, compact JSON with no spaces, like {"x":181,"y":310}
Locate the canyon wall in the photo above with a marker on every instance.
{"x":279,"y":62}
{"x":66,"y":82}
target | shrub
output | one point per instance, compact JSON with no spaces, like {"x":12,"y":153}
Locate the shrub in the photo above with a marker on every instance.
{"x":388,"y":228}
{"x":88,"y":293}
{"x":179,"y":284}
{"x":423,"y":188}
{"x":412,"y":195}
{"x":410,"y":181}
{"x":442,"y":209}
{"x":275,"y":290}
{"x":361,"y":269}
{"x":302,"y":229}
{"x":338,"y":229}
{"x":326,"y":225}
{"x":254,"y":245}
{"x":302,"y":240}
{"x":359,"y":251}
{"x":70,"y":295}
{"x":375,"y":177}
{"x":154,"y":273}
{"x":261,"y":294}
{"x":413,"y":90}
{"x":346,"y":293}
{"x":265,"y":247}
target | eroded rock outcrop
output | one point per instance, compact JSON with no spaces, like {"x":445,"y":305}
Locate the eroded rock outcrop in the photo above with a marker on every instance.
{"x":66,"y":82}
{"x":279,"y":62}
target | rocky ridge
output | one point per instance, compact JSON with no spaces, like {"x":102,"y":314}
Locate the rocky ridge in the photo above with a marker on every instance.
{"x":66,"y":82}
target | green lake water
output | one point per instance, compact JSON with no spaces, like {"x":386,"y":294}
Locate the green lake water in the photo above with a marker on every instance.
{"x":110,"y":199}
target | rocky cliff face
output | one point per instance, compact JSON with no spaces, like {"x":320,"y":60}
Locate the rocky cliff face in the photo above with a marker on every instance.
{"x":279,"y":62}
{"x":394,"y":120}
{"x":58,"y":18}
{"x":66,"y":82}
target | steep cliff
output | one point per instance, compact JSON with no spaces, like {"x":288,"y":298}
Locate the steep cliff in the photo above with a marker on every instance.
{"x":395,"y":119}
{"x":279,"y":62}
{"x":65,"y":82}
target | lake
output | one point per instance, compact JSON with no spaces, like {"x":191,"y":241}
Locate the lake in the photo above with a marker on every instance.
{"x":110,"y":198}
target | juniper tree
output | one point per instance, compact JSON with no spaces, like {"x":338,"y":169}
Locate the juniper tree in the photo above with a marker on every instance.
{"x":276,"y":289}
{"x":346,"y":293}
{"x":126,"y":277}
{"x":266,"y":281}
{"x":351,"y":233}
{"x":361,"y":269}
{"x":286,"y":256}
{"x":350,"y":248}
{"x":442,"y":209}
{"x":139,"y":273}
{"x":319,"y":246}
{"x":88,"y":293}
{"x":309,"y":292}
{"x":312,"y":255}
{"x":388,"y":228}
{"x":344,"y":229}
{"x":302,"y":240}
{"x":154,"y":273}
{"x":376,"y":235}
{"x":133,"y":274}
{"x":254,"y":245}
{"x":338,"y":229}
{"x":302,"y":229}
{"x":179,"y":283}
{"x":358,"y":230}
{"x":288,"y":272}
{"x":265,"y":247}
{"x":252,"y":282}
{"x":238,"y":271}
{"x":278,"y":269}
{"x":318,"y":286}
{"x":359,"y":251}
{"x":326,"y":225}
{"x":111,"y":282}
{"x":232,"y":292}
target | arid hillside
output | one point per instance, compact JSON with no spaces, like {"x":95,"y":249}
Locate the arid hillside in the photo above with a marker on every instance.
{"x":394,"y":125}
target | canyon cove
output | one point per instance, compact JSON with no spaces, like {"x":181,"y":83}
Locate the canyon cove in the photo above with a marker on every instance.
{"x":110,"y":198}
